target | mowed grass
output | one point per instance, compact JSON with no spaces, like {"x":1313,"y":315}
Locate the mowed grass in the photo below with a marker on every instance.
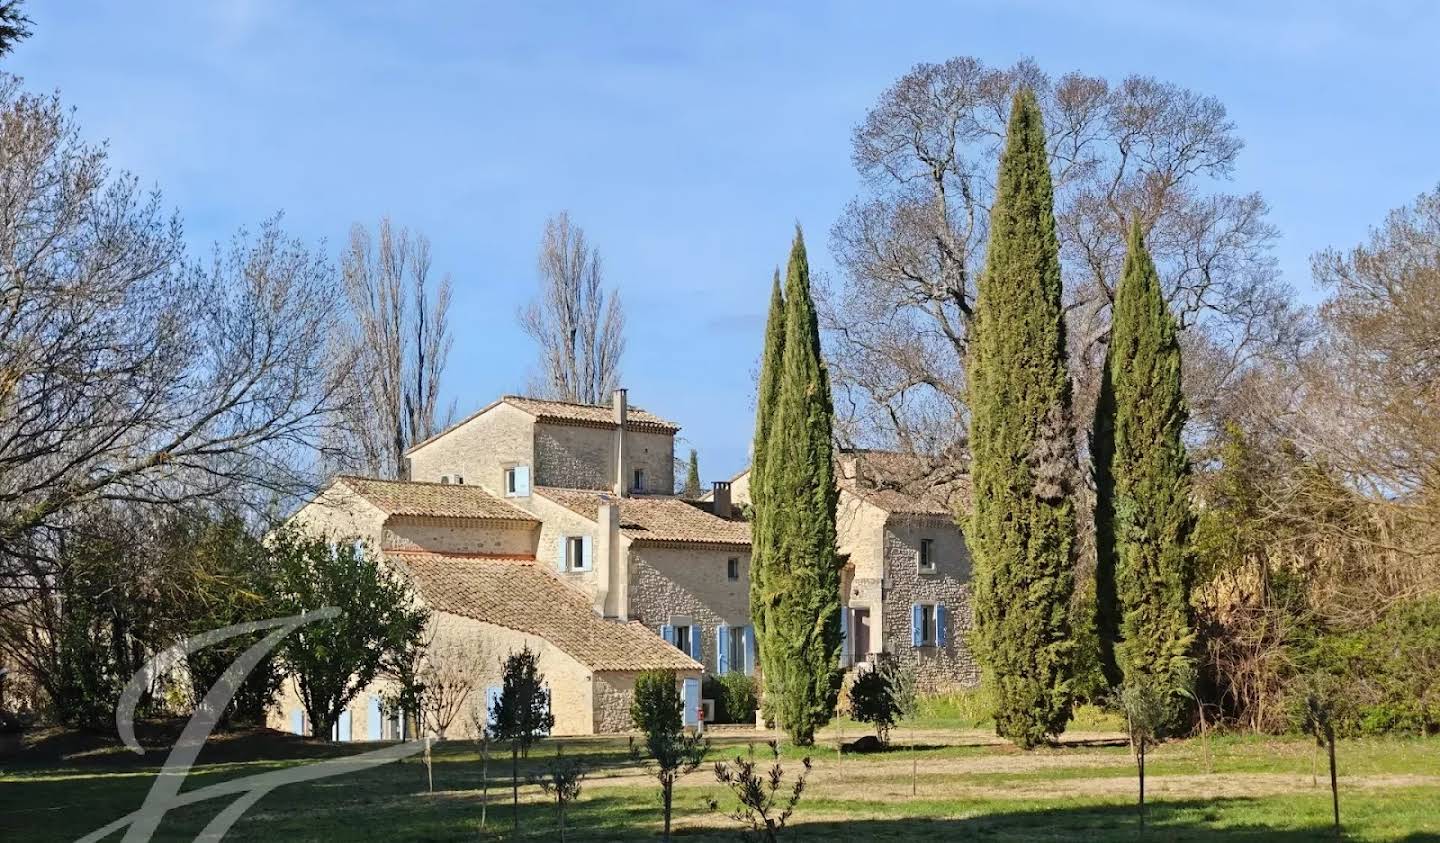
{"x":961,"y":784}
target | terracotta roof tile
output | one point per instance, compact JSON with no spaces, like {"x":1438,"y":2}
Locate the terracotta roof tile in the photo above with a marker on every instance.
{"x":594,"y":414}
{"x":656,"y":518}
{"x":437,"y":500}
{"x":525,"y":597}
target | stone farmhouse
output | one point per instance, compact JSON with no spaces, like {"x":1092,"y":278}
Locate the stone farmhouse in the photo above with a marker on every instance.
{"x":906,"y":581}
{"x":552,"y":525}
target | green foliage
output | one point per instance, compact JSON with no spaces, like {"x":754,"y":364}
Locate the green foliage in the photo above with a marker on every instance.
{"x":1385,"y":677}
{"x":800,"y":593}
{"x":521,"y":714}
{"x":692,"y":478}
{"x":333,"y":660}
{"x":1145,"y":565}
{"x":656,"y":707}
{"x":1022,"y":527}
{"x":734,"y":696}
{"x":767,"y":396}
{"x":873,"y":700}
{"x":14,"y":25}
{"x":562,"y":779}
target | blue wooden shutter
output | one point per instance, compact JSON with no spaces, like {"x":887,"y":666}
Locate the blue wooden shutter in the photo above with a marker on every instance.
{"x":668,"y":633}
{"x":917,"y":621}
{"x":342,"y":727}
{"x":691,"y":699}
{"x":522,"y":481}
{"x":722,"y":649}
{"x":695,"y":648}
{"x":372,"y":720}
{"x":560,"y":554}
{"x":844,"y":636}
{"x":586,"y":552}
{"x":492,"y":697}
{"x":749,"y":635}
{"x":297,"y":722}
{"x":940,"y":626}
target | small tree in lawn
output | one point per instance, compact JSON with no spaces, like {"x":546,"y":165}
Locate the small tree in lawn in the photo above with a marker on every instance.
{"x":872,"y":700}
{"x":762,"y":809}
{"x":1149,"y":704}
{"x":480,"y":728}
{"x":1322,"y":707}
{"x":379,"y":622}
{"x":521,"y":715}
{"x":659,"y":712}
{"x":561,"y":779}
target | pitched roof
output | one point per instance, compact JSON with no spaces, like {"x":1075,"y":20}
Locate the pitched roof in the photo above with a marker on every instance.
{"x":899,"y":483}
{"x":601,"y":415}
{"x":655,"y":518}
{"x":438,"y":500}
{"x":525,"y":597}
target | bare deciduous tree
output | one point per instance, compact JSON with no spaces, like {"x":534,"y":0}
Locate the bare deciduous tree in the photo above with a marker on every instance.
{"x":399,"y":343}
{"x":126,"y":373}
{"x":451,"y":671}
{"x":910,"y":248}
{"x":578,"y":327}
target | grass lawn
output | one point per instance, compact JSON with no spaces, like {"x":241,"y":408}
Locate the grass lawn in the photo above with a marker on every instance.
{"x":968,"y":787}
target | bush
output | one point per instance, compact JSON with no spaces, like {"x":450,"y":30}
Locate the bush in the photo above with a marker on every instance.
{"x":1388,"y":674}
{"x":657,"y":706}
{"x":734,"y":695}
{"x":872,"y":700}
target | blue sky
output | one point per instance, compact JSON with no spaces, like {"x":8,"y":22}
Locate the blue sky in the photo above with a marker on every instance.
{"x":687,"y":138}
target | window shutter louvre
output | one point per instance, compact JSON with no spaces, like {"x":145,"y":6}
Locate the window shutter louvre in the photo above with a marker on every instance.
{"x":722,"y":649}
{"x":749,"y":635}
{"x":668,"y":633}
{"x":695,"y":649}
{"x":587,"y":552}
{"x":940,"y":626}
{"x":560,"y":554}
{"x":844,"y":636}
{"x":916,"y":622}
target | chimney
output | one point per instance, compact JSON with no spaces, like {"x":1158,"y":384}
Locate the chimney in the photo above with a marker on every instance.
{"x":619,"y":401}
{"x":611,"y":581}
{"x":720,"y":496}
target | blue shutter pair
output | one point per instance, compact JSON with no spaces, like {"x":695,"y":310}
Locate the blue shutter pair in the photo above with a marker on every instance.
{"x":917,"y":622}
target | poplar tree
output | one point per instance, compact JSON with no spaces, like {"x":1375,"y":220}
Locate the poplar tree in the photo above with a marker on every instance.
{"x":1144,"y":564}
{"x":766,"y":397}
{"x":1023,"y":522}
{"x":800,"y":594}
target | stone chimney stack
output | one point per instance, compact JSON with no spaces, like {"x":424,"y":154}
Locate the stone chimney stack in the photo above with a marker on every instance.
{"x":619,"y":400}
{"x":720,"y":496}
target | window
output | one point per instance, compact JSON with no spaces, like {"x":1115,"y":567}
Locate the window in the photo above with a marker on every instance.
{"x":928,"y":625}
{"x":682,"y":638}
{"x":927,"y":555}
{"x":736,"y":649}
{"x":732,"y":569}
{"x":510,"y":482}
{"x":575,"y":554}
{"x":517,"y":481}
{"x":638,"y":483}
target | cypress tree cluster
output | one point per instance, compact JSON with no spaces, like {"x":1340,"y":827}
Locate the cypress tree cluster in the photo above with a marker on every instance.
{"x":799,"y":585}
{"x":1023,"y":522}
{"x":1144,"y":565}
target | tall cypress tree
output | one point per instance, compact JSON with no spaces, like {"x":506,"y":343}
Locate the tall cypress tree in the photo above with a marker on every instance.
{"x":766,"y":397}
{"x":801,"y":587}
{"x":1023,"y":522}
{"x":692,"y":477}
{"x":1145,"y":565}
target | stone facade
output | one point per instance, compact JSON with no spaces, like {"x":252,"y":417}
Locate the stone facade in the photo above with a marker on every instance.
{"x":340,"y":513}
{"x":580,"y":457}
{"x":478,"y":449}
{"x":936,"y":668}
{"x":456,"y":535}
{"x":689,"y":585}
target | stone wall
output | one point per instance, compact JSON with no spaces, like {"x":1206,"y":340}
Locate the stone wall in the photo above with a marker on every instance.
{"x":689,"y":583}
{"x":576,"y":457}
{"x":458,"y":535}
{"x":937,"y":668}
{"x":479,"y":449}
{"x":340,"y":513}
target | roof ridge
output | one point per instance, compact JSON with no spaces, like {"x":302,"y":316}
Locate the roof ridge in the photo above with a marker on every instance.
{"x":415,"y":483}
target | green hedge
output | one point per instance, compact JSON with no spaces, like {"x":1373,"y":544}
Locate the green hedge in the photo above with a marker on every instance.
{"x":734,"y":696}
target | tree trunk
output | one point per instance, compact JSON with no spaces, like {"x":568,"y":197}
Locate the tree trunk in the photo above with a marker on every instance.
{"x":484,"y":779}
{"x":515,"y":784}
{"x":1334,"y":784}
{"x":667,"y":792}
{"x":1142,"y":785}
